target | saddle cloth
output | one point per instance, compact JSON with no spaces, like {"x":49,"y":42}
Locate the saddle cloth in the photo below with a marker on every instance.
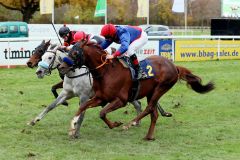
{"x":144,"y":64}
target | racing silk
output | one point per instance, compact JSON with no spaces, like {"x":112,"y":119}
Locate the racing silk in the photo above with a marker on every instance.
{"x":95,"y":39}
{"x":70,"y":40}
{"x":125,"y":35}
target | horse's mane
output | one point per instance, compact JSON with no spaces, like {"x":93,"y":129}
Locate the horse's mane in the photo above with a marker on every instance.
{"x":93,"y":44}
{"x":52,"y":46}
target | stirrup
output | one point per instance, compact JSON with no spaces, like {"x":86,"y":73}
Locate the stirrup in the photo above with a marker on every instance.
{"x":141,"y":75}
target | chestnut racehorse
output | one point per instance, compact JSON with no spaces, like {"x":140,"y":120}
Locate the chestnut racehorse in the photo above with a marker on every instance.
{"x":112,"y":83}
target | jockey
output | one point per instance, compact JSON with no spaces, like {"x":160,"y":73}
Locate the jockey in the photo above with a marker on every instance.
{"x":71,"y":37}
{"x":131,"y":39}
{"x":92,"y":38}
{"x":67,"y":35}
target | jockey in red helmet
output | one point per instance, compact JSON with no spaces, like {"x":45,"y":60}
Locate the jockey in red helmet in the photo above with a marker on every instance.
{"x":82,"y":35}
{"x":71,"y":37}
{"x":131,"y":38}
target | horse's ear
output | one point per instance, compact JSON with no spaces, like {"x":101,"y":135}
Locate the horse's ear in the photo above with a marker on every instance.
{"x":83,"y":42}
{"x":43,"y":42}
{"x":55,"y":48}
{"x":87,"y":37}
{"x":48,"y":42}
{"x":49,"y":47}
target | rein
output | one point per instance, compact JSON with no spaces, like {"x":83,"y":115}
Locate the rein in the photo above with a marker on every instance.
{"x":80,"y":75}
{"x":50,"y":68}
{"x":103,"y":61}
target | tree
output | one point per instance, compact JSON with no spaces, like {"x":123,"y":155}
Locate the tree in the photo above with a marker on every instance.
{"x":26,"y":7}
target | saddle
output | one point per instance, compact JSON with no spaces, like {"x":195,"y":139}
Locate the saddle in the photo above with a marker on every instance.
{"x":146,"y":67}
{"x":144,"y":64}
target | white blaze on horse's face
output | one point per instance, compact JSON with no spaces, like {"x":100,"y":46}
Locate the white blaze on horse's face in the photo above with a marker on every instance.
{"x":47,"y":59}
{"x":47,"y":64}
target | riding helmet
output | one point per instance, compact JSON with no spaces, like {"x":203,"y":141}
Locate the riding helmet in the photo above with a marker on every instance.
{"x":108,"y":30}
{"x":79,"y":36}
{"x":63,"y":31}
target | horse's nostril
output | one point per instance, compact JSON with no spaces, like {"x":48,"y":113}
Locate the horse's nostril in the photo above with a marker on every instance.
{"x":29,"y":64}
{"x":39,"y":72}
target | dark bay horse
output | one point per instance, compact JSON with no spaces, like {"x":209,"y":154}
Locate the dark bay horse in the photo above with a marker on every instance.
{"x":112,"y":84}
{"x":37,"y":57}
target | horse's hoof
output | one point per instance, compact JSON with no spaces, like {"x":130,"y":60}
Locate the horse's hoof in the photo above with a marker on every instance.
{"x":72,"y":133}
{"x":125,"y":127}
{"x":32,"y":123}
{"x":117,"y":124}
{"x":167,"y":114}
{"x":65,"y":103}
{"x":149,"y":138}
{"x":137,"y":124}
{"x":75,"y":136}
{"x":134,"y":123}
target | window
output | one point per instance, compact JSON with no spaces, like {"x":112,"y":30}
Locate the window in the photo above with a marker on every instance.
{"x":3,"y":29}
{"x":13,"y":29}
{"x":23,"y":29}
{"x":161,"y":29}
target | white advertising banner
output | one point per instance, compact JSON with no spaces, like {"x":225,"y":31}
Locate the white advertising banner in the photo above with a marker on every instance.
{"x":18,"y":52}
{"x":151,"y":48}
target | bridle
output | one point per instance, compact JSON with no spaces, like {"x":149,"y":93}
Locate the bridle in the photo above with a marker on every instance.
{"x":50,"y":67}
{"x":79,"y":59}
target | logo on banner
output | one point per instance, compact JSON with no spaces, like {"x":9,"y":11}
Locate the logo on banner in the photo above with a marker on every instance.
{"x":17,"y":54}
{"x":165,"y":48}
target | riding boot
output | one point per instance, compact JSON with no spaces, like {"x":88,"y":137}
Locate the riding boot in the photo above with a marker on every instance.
{"x":139,"y":73}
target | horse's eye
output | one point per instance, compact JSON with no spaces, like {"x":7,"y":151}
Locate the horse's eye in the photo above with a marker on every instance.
{"x":49,"y":58}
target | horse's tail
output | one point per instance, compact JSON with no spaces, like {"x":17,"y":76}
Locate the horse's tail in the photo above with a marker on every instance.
{"x":194,"y":81}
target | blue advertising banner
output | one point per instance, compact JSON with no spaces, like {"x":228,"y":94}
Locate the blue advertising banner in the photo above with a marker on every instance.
{"x":165,"y":48}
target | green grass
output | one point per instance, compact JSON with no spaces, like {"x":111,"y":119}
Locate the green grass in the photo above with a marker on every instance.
{"x":203,"y":127}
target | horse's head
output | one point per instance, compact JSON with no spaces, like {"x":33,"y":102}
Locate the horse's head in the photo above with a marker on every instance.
{"x":37,"y":55}
{"x":83,"y":53}
{"x":75,"y":58}
{"x":51,"y":59}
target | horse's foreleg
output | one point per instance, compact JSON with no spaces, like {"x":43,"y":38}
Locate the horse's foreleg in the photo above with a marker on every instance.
{"x":137,"y":106}
{"x":55,"y":87}
{"x":117,"y":103}
{"x":163,"y":112}
{"x":54,"y":91}
{"x":83,"y":99}
{"x":154,"y":117}
{"x":138,"y":118}
{"x":61,"y":98}
{"x":94,"y":102}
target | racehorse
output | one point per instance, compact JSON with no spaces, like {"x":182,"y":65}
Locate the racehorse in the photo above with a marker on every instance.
{"x":37,"y":57}
{"x":77,"y":83}
{"x":112,"y":83}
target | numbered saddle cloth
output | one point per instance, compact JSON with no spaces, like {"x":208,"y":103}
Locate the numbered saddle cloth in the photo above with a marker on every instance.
{"x":144,"y":64}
